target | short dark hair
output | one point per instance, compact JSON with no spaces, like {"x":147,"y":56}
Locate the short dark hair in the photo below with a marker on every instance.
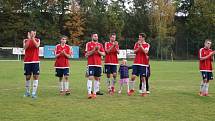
{"x":112,"y":34}
{"x":93,"y":33}
{"x":142,"y":34}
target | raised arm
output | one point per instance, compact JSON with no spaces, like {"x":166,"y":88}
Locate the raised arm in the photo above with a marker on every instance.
{"x":145,"y":50}
{"x":101,"y":50}
{"x":67,"y":54}
{"x":206,"y":57}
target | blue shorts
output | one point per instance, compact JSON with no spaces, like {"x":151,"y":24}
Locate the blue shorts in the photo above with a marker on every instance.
{"x":110,"y":69}
{"x":139,"y":70}
{"x":31,"y":68}
{"x":207,"y":75}
{"x":60,"y":72}
{"x":94,"y":71}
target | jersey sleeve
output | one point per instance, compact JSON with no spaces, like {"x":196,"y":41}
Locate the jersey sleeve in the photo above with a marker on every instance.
{"x":87,"y":47}
{"x":117,"y":47}
{"x":147,"y":48}
{"x":201,"y":53}
{"x":135,"y":46}
{"x":71,"y":51}
{"x":68,"y":51}
{"x":101,"y":48}
{"x":56,"y":50}
{"x":106,"y":46}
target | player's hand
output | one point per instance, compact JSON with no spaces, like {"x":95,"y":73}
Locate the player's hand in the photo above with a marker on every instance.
{"x":139,"y":43}
{"x":213,"y":52}
{"x":97,"y":47}
{"x":62,"y":52}
{"x":115,"y":43}
{"x":29,"y":35}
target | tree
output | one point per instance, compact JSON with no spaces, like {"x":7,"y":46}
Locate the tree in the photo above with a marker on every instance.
{"x":75,"y":24}
{"x":200,"y":23}
{"x":115,"y":18}
{"x":162,"y":18}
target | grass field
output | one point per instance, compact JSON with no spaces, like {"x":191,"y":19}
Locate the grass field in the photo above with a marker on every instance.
{"x":174,"y":88}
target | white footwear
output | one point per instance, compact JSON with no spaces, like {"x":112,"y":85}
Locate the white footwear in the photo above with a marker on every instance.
{"x":140,"y":91}
{"x":148,"y":92}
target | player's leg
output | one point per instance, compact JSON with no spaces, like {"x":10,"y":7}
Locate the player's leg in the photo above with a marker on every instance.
{"x":203,"y":83}
{"x":27,"y":73}
{"x":66,"y":81}
{"x":114,"y":72}
{"x":132,"y":80}
{"x":108,"y":75}
{"x":126,"y":81}
{"x":209,"y":77}
{"x":147,"y":79}
{"x":66,"y":84}
{"x":36,"y":72}
{"x":59,"y":74}
{"x":147,"y":85}
{"x":140,"y":86}
{"x":90,"y":81}
{"x":120,"y":86}
{"x":143,"y":72}
{"x":143,"y":80}
{"x":97,"y":75}
{"x":61,"y":86}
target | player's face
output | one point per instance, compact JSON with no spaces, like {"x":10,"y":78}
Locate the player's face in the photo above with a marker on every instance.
{"x":208,"y":44}
{"x":95,"y":37}
{"x":140,"y":38}
{"x":33,"y":33}
{"x":113,"y":38}
{"x":124,"y":62}
{"x":63,"y":40}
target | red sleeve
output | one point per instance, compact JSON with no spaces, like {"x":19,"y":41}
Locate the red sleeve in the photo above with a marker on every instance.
{"x":102,"y":48}
{"x":135,"y":46}
{"x":201,"y":53}
{"x":148,"y":47}
{"x":56,"y":51}
{"x":68,"y":51}
{"x":117,"y":47}
{"x":87,"y":48}
{"x":106,"y":45}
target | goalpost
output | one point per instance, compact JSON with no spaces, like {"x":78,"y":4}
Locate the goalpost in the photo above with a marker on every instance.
{"x":11,"y":54}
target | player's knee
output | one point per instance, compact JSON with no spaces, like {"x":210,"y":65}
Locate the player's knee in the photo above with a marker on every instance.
{"x":28,"y":77}
{"x":114,"y":75}
{"x":90,"y":77}
{"x":143,"y":78}
{"x":66,"y":78}
{"x":97,"y":78}
{"x":35,"y":77}
{"x":133,"y":77}
{"x":108,"y":75}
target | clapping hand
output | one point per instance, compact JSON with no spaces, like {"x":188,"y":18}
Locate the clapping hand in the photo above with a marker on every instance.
{"x":97,"y":47}
{"x":29,"y":35}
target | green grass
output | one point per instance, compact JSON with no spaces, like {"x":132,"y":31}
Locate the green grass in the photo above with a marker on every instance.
{"x":174,"y":88}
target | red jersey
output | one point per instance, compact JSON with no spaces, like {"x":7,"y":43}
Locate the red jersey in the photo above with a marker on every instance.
{"x":95,"y":58}
{"x":141,"y":58}
{"x":31,"y":52}
{"x":62,"y":61}
{"x":205,"y":65}
{"x":111,"y":57}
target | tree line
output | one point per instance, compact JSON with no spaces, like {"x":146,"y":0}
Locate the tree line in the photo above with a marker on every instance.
{"x":175,"y":28}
